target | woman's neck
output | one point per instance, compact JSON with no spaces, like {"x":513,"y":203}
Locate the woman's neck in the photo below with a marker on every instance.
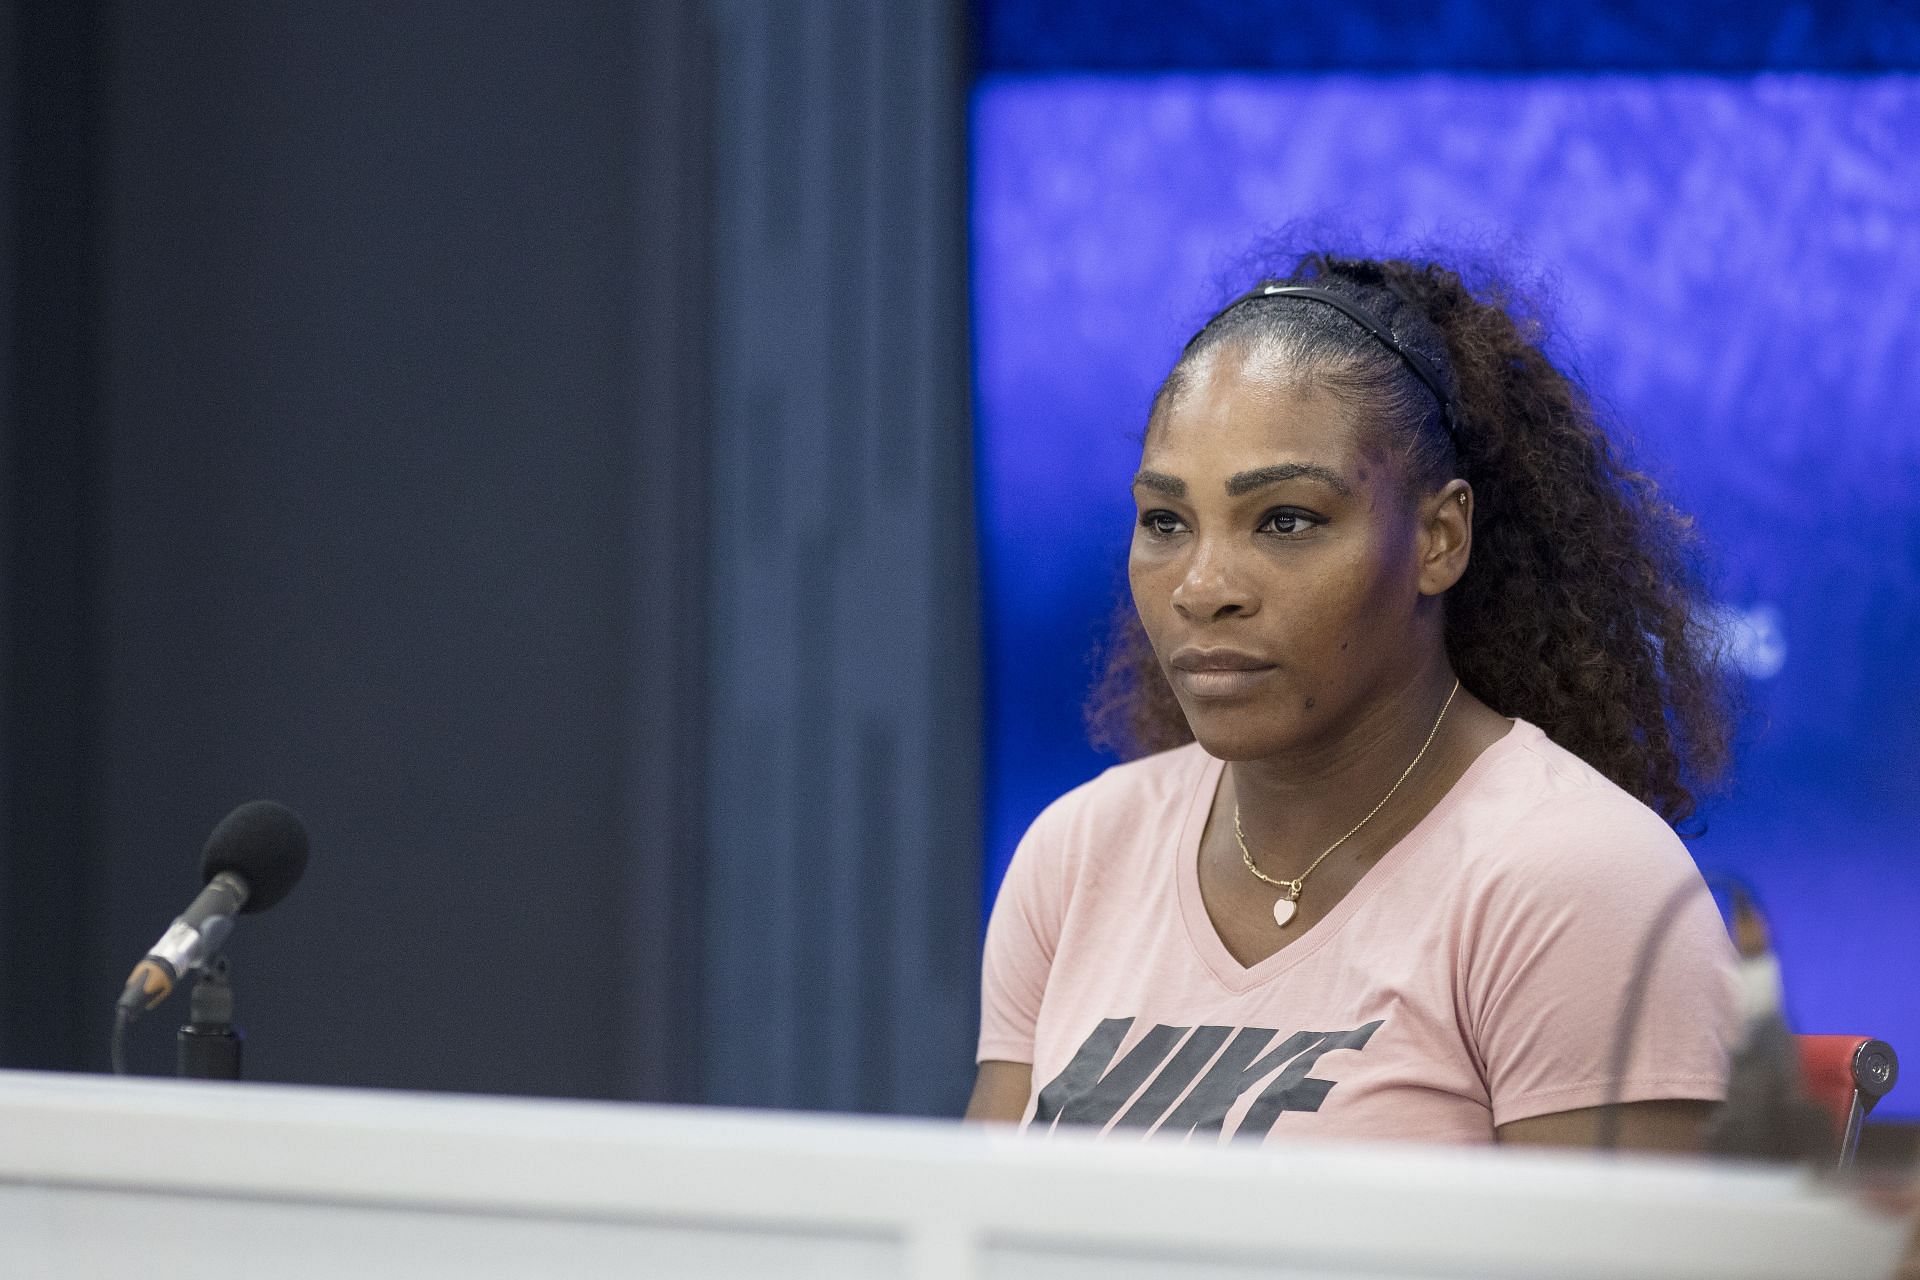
{"x":1309,"y":796}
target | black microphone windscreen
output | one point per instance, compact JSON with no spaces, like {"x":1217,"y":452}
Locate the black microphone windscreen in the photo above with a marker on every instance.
{"x":263,"y":843}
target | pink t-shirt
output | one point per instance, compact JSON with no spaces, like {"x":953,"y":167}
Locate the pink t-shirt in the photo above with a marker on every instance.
{"x":1475,"y":975}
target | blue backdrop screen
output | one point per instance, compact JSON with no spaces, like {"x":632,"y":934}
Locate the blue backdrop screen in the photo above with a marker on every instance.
{"x":1732,"y":265}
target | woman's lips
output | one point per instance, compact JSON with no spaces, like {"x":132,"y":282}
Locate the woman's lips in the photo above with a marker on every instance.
{"x":1220,"y":683}
{"x":1218,"y":673}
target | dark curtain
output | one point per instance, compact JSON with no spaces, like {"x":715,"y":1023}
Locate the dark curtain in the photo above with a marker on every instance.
{"x":843,"y":923}
{"x":503,"y":434}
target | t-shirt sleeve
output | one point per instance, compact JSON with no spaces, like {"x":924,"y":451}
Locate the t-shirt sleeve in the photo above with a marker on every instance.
{"x":1021,"y":935}
{"x":1557,"y":950}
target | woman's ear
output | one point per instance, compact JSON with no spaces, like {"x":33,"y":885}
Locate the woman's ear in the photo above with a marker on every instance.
{"x":1446,"y":536}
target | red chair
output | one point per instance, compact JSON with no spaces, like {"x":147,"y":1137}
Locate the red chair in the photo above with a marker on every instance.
{"x":1845,"y":1076}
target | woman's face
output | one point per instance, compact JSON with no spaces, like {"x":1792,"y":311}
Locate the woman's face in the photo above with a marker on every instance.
{"x":1285,"y":574}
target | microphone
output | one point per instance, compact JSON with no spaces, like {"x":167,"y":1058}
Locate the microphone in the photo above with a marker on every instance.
{"x":252,"y":860}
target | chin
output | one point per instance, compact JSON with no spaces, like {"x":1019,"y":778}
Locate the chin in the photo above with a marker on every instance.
{"x":1241,"y":733}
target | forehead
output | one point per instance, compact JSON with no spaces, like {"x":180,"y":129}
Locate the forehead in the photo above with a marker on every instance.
{"x":1232,"y":412}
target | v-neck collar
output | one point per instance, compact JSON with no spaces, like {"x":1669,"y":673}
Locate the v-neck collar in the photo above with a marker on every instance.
{"x":1213,"y":953}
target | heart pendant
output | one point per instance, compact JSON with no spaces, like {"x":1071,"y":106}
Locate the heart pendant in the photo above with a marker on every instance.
{"x":1283,"y":911}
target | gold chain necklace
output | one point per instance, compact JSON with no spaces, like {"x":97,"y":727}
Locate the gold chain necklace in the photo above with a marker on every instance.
{"x":1284,"y":909}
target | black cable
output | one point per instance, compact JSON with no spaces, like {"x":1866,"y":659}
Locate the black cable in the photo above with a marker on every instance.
{"x":120,"y":1020}
{"x":1628,"y":1023}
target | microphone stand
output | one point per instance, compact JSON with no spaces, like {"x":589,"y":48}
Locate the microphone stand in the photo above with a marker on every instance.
{"x":208,"y":1046}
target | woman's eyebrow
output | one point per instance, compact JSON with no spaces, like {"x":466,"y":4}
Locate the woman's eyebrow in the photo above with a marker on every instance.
{"x":1172,"y":486}
{"x":1260,"y":477}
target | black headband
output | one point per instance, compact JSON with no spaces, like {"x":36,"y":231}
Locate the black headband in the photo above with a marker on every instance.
{"x":1422,"y":367}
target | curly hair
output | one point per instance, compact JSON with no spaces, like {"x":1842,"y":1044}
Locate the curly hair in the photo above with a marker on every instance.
{"x":1580,"y":609}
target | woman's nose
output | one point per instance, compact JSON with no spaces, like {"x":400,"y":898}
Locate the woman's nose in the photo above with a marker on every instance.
{"x":1210,"y":588}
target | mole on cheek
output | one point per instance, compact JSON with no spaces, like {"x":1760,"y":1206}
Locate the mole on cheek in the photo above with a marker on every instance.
{"x":1309,"y":704}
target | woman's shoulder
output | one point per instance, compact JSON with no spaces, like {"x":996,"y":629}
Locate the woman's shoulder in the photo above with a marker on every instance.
{"x":1124,"y":790}
{"x":1572,"y":888}
{"x":1540,"y":814}
{"x":1139,"y":800}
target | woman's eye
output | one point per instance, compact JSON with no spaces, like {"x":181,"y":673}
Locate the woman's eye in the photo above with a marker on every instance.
{"x":1161,"y":524}
{"x":1289,"y":523}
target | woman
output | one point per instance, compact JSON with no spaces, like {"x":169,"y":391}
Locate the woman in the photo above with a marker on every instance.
{"x":1435,"y":655}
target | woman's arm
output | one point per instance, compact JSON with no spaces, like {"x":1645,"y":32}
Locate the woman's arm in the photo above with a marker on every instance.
{"x":1678,"y":1125}
{"x":1000,"y":1092}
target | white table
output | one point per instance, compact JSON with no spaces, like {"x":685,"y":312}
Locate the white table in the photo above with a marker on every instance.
{"x":103,"y":1178}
